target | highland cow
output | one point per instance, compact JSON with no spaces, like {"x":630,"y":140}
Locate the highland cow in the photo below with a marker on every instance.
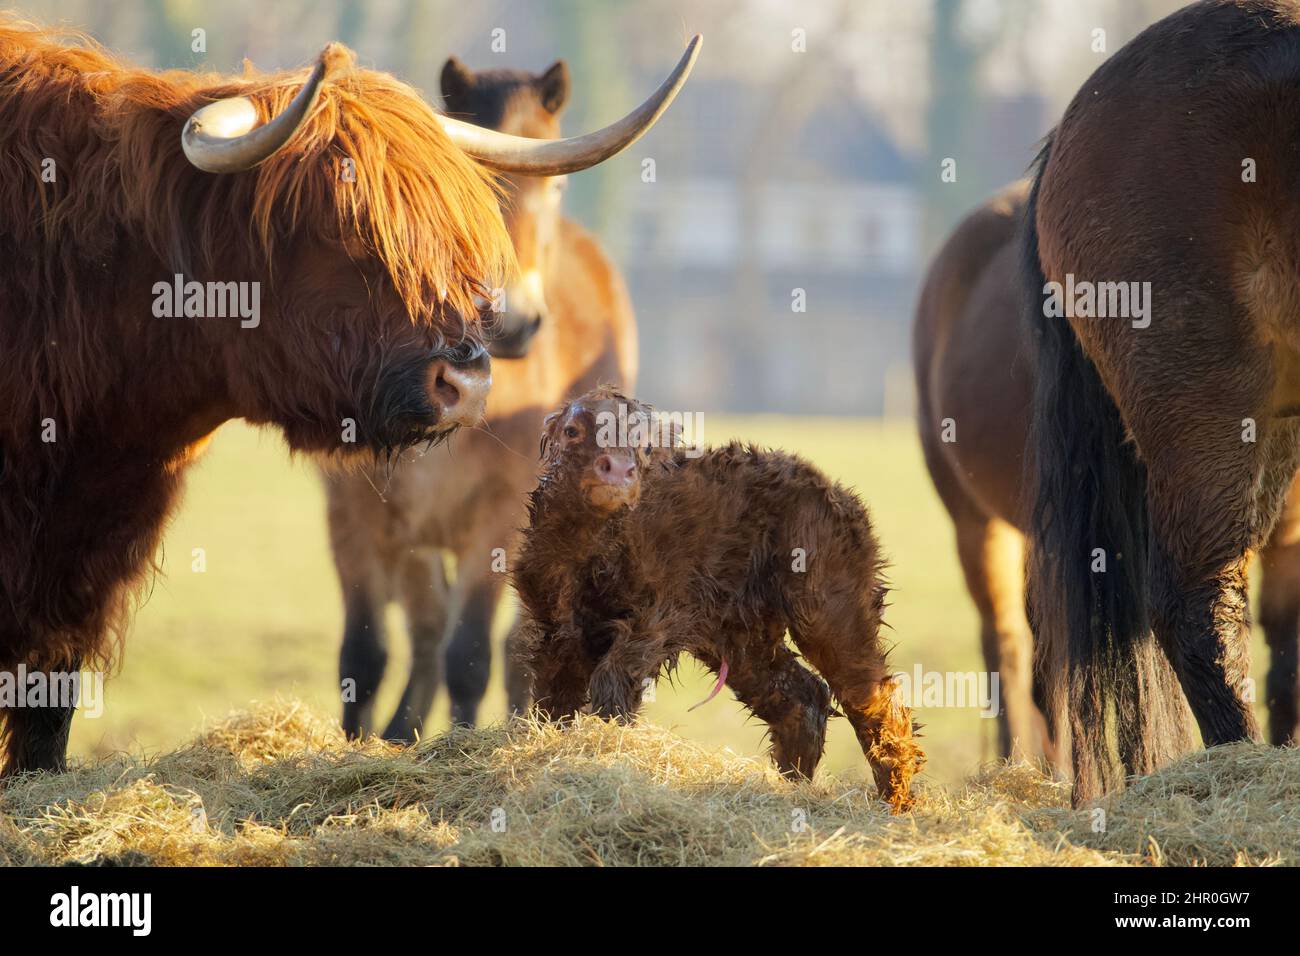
{"x":357,"y":213}
{"x":635,"y":554}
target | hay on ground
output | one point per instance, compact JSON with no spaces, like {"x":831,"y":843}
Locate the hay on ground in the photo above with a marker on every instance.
{"x":278,"y":785}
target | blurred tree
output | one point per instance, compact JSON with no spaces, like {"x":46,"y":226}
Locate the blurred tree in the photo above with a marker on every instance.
{"x":352,"y":20}
{"x":582,"y":28}
{"x":955,"y":104}
{"x":170,"y":25}
{"x":791,"y":100}
{"x":412,"y":57}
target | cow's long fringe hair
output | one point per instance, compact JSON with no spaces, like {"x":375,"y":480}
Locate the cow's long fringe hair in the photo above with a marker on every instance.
{"x":417,"y":207}
{"x":1101,"y":677}
{"x":423,"y":207}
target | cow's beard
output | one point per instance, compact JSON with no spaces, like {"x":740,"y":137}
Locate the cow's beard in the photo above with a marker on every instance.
{"x":401,"y":416}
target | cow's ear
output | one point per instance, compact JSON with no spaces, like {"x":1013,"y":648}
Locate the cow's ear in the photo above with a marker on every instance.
{"x":457,"y":81}
{"x":553,"y":87}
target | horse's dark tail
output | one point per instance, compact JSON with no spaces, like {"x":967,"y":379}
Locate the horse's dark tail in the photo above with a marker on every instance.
{"x":1098,"y":665}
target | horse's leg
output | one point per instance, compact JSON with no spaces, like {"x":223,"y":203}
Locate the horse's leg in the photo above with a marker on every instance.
{"x":469,"y":653}
{"x":993,"y":559}
{"x":363,"y":657}
{"x":364,"y":566}
{"x":36,"y":738}
{"x":425,"y":596}
{"x":1202,"y":531}
{"x":1279,"y":614}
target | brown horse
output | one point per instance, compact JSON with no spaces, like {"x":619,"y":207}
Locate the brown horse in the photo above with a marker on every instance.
{"x":1162,"y":281}
{"x":569,"y":321}
{"x":975,"y":384}
{"x":300,"y":250}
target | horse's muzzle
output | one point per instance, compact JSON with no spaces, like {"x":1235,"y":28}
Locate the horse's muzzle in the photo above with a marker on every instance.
{"x":513,"y":336}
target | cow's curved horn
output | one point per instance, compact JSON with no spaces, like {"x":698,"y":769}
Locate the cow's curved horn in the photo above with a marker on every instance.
{"x":220,"y":138}
{"x":555,"y":157}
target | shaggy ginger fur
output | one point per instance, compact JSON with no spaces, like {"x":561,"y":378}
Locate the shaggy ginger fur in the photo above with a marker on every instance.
{"x":103,"y":404}
{"x":634,"y":555}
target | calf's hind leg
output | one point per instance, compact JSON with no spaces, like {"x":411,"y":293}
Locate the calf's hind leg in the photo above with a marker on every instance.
{"x":843,"y":644}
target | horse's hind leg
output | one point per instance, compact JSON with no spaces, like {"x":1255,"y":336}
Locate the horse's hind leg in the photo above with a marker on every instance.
{"x":425,"y":596}
{"x":843,"y":642}
{"x":1202,"y":533}
{"x":1279,"y":614}
{"x":789,"y":698}
{"x":993,"y":559}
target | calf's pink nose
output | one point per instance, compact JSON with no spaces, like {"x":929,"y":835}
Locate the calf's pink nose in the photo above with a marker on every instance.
{"x":615,"y":471}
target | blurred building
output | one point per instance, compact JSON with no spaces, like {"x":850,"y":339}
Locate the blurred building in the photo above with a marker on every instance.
{"x":713,"y":252}
{"x":714,"y":258}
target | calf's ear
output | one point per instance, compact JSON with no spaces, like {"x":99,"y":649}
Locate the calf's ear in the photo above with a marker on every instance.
{"x":550,"y":425}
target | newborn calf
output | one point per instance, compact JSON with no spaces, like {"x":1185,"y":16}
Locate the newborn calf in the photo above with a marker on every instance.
{"x":636,"y":554}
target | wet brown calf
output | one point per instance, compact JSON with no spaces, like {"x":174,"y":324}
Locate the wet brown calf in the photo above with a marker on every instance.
{"x":637,"y":554}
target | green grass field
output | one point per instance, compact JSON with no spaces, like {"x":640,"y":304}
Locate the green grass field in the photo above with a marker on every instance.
{"x":264,"y":618}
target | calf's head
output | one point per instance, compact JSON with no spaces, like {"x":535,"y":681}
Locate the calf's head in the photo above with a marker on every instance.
{"x":597,"y":449}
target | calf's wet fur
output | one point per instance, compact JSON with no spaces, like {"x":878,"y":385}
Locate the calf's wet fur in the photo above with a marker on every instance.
{"x":639,"y":552}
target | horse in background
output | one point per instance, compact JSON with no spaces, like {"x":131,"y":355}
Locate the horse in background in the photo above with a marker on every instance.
{"x":565,"y":326}
{"x":975,"y":382}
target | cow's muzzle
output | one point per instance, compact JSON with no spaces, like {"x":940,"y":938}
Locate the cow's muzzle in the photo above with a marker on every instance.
{"x":457,"y":383}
